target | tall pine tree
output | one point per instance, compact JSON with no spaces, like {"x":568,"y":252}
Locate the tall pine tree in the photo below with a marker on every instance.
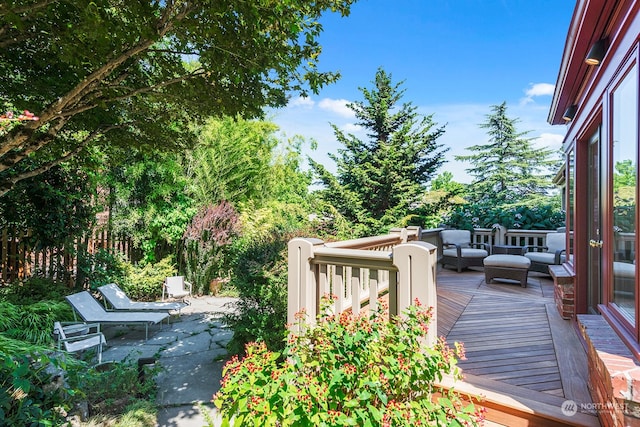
{"x":508,"y":170}
{"x":380,"y":181}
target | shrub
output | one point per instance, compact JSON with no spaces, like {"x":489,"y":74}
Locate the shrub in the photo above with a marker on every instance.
{"x":260,"y":278}
{"x":111,"y":388}
{"x":143,"y":282}
{"x":34,"y":289}
{"x":347,"y":370}
{"x":32,"y":323}
{"x":102,"y":268}
{"x":542,"y":217}
{"x":206,"y":244}
{"x":32,"y":389}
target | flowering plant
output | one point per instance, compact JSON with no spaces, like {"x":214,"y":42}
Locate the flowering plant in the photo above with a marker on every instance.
{"x":347,"y":370}
{"x":10,"y":118}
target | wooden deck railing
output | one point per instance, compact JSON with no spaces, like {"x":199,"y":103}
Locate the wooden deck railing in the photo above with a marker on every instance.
{"x":357,"y":272}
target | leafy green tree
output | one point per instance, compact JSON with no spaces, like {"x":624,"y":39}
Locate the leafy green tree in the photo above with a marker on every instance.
{"x":444,"y":195}
{"x":135,"y":74}
{"x":624,"y":175}
{"x":57,"y":207}
{"x":147,"y":201}
{"x":232,"y":161}
{"x":508,"y":169}
{"x":380,"y":181}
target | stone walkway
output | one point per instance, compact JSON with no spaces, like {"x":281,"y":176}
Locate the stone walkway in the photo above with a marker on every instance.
{"x":191,"y":351}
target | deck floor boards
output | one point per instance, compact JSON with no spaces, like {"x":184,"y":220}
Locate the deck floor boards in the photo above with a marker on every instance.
{"x":507,"y":333}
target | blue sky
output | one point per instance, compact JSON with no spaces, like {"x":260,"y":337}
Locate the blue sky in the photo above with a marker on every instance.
{"x":456,"y":58}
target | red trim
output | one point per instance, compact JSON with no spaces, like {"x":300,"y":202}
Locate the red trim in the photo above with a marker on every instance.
{"x":595,"y":21}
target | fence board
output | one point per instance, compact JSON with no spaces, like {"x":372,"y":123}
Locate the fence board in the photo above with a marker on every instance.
{"x":19,"y":261}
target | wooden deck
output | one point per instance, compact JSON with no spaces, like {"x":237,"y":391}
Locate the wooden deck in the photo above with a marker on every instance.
{"x":520,"y":354}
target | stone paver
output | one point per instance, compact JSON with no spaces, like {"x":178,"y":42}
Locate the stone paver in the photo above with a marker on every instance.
{"x":191,"y":353}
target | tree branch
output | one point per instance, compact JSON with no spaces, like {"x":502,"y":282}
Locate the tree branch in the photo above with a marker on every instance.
{"x":57,"y":109}
{"x":28,"y":8}
{"x":8,"y":183}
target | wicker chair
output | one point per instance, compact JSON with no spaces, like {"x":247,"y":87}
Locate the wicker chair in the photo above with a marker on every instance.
{"x":460,"y":252}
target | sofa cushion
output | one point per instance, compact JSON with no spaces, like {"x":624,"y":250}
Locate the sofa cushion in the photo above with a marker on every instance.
{"x":543,"y":257}
{"x":466,"y":253}
{"x":555,"y":242}
{"x":511,"y":261}
{"x":456,"y":237}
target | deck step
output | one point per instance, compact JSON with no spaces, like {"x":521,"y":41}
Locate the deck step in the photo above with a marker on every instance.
{"x":514,"y":406}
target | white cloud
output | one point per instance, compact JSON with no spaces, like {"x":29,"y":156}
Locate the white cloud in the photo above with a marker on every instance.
{"x":351,"y":128}
{"x":338,"y":106}
{"x":537,"y":89}
{"x":302,"y":101}
{"x":550,"y":140}
{"x":540,"y":89}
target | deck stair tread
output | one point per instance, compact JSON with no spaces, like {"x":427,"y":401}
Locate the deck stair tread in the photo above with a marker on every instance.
{"x":545,"y":409}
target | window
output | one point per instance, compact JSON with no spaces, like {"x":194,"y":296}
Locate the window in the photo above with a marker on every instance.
{"x":570,"y":211}
{"x":624,"y":114}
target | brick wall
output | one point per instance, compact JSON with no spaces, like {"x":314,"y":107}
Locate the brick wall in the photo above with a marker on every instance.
{"x":563,"y":294}
{"x":614,"y":374}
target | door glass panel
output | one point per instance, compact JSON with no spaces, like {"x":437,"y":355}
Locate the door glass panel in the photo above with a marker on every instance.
{"x":625,"y":115}
{"x":594,"y":295}
{"x":569,"y":220}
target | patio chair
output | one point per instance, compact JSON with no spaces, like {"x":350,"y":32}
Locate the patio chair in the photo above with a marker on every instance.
{"x":90,"y":310}
{"x":460,"y":252}
{"x":176,"y":287}
{"x":115,"y":298}
{"x":77,"y":337}
{"x":552,"y":254}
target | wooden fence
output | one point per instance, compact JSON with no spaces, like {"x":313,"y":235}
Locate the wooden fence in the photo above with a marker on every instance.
{"x":20,"y":259}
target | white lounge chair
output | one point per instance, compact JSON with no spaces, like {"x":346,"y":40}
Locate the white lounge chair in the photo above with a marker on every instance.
{"x":90,"y":310}
{"x":78,"y":337}
{"x":116,"y":298}
{"x":176,"y":287}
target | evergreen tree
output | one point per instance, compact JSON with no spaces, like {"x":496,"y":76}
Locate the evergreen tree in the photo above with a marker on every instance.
{"x":508,"y":170}
{"x":380,"y":181}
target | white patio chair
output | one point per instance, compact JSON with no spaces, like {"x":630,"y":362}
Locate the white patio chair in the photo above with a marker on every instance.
{"x":77,"y":337}
{"x":115,"y":297}
{"x":176,"y":287}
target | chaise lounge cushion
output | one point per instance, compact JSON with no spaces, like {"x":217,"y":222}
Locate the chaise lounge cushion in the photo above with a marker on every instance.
{"x":120,"y":301}
{"x":90,"y":310}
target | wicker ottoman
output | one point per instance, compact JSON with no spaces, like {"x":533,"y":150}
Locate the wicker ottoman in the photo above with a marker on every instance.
{"x":513,"y":267}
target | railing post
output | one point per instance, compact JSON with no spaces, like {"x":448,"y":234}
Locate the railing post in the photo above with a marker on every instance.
{"x":302,"y":288}
{"x":402,"y":232}
{"x":416,"y":263}
{"x":500,"y":238}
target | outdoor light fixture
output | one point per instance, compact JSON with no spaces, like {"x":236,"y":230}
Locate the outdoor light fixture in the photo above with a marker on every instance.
{"x":595,"y":55}
{"x":569,"y":113}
